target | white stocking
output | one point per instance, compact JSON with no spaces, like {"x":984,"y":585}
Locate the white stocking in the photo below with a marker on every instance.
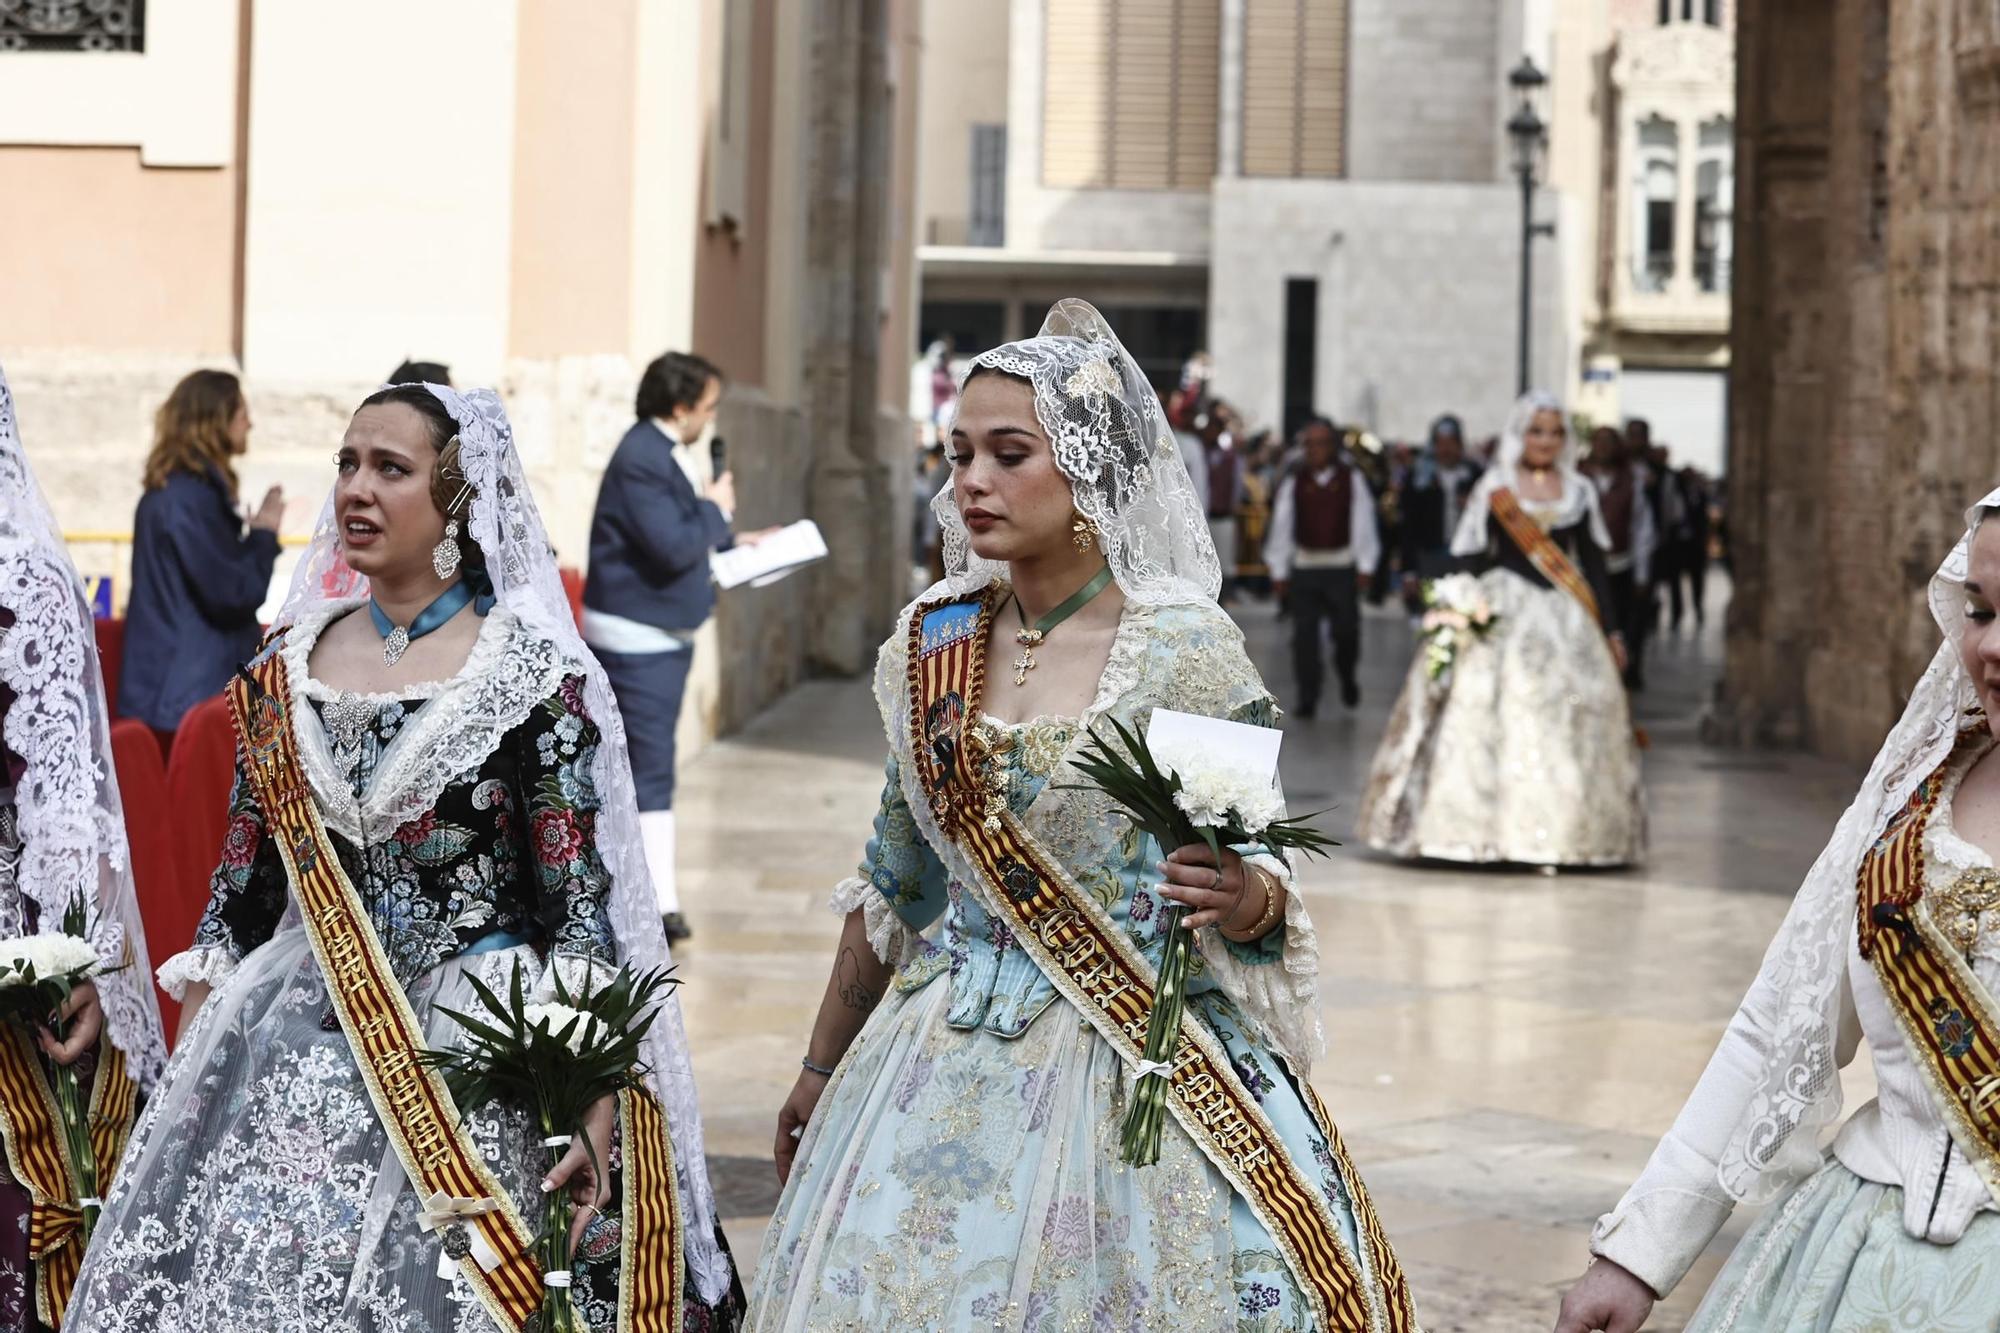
{"x":656,"y":830}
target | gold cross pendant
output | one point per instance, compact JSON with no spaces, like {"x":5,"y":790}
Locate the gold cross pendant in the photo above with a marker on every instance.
{"x":1029,"y":639}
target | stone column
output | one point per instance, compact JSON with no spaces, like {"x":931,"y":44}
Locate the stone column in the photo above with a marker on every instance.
{"x":857,"y":490}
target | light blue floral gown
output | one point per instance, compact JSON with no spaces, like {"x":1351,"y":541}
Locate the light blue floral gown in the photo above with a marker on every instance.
{"x":962,"y":1167}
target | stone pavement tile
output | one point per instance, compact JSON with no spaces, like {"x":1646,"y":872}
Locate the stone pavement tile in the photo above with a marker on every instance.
{"x":1529,"y":1255}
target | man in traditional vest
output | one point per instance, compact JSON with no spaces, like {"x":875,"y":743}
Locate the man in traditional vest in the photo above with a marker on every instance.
{"x":1628,"y":518}
{"x":1432,"y":503}
{"x":1323,"y":542}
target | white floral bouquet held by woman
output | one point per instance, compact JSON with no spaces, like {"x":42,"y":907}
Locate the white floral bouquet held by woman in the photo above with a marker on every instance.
{"x":38,"y":973}
{"x":562,"y":1058}
{"x":1205,"y":799}
{"x":1456,"y":613}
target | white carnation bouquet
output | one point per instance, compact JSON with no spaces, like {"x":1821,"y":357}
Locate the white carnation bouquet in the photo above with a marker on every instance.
{"x":559,"y":1057}
{"x":38,"y":974}
{"x":1456,"y":612}
{"x":1197,"y":798}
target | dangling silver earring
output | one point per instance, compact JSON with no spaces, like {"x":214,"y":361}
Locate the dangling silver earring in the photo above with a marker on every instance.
{"x":446,"y":555}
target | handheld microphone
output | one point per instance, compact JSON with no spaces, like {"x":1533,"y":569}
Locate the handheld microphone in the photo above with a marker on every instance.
{"x":718,"y":456}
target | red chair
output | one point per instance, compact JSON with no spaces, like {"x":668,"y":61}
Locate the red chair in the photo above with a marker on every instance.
{"x":111,"y":658}
{"x":149,"y":832}
{"x":573,"y":585}
{"x":199,"y":773}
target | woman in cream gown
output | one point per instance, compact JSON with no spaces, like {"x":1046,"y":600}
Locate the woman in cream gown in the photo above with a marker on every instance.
{"x":1523,"y":752}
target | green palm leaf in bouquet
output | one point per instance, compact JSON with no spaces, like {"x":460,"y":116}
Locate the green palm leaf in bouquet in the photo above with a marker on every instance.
{"x":1151,"y":796}
{"x":560,"y":1058}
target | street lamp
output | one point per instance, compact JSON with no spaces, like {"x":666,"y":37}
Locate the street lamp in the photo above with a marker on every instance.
{"x":1530,"y":136}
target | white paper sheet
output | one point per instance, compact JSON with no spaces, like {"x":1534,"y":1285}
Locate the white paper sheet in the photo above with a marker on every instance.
{"x":1175,"y":738}
{"x":783,"y":552}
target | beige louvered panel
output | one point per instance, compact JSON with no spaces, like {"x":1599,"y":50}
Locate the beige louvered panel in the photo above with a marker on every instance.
{"x":1270,"y":86}
{"x":1294,"y":87}
{"x":1197,"y":74}
{"x":1130,"y":98}
{"x":1076,"y":93}
{"x":1142,"y":93}
{"x":1322,"y":128}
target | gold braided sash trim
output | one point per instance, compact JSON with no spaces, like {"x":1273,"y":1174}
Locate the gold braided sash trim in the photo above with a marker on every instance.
{"x":651,"y":1271}
{"x":39,"y":1158}
{"x":1542,"y":551}
{"x":1949,"y":1019}
{"x":1095,"y":967}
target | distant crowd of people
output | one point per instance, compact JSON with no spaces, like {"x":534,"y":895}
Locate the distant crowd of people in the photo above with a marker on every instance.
{"x":1379,"y":516}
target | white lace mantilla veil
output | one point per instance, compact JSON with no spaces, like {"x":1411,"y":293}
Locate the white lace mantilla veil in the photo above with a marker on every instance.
{"x":72,"y":822}
{"x":508,"y":529}
{"x":1111,"y":440}
{"x":1579,"y":496}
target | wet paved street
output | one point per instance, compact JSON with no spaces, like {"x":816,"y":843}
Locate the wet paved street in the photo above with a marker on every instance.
{"x":1504,"y":1049}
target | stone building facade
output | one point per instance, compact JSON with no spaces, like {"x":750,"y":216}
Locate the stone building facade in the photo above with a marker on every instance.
{"x":1643,"y":147}
{"x":1316,"y":191}
{"x":1864,"y":398}
{"x":544,"y":195}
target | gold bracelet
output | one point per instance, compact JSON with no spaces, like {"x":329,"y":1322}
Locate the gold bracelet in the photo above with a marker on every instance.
{"x":1273,"y":896}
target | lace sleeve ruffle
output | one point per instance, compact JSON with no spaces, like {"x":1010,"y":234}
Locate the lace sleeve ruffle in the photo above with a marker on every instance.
{"x":211,"y":963}
{"x":1279,"y":999}
{"x":892,"y":940}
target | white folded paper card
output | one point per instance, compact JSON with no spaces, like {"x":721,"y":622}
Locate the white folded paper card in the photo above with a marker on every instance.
{"x":1176,"y":739}
{"x":788,"y":549}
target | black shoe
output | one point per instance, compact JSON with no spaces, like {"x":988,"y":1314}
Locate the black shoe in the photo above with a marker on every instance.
{"x":1307,"y":711}
{"x":676,"y":927}
{"x":1350,"y":694}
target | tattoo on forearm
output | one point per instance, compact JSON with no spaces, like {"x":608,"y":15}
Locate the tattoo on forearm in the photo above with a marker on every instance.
{"x":853,"y":992}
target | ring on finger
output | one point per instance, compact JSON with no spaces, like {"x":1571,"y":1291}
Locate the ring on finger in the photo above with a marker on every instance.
{"x":1217,"y":885}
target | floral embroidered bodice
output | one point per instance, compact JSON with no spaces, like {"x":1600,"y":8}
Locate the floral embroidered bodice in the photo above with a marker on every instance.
{"x":1185,"y":657}
{"x":504,"y":845}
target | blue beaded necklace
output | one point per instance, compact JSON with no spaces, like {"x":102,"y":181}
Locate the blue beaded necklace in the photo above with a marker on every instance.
{"x":396,"y":639}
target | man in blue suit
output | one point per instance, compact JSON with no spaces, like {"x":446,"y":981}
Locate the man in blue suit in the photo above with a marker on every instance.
{"x":659,"y":516}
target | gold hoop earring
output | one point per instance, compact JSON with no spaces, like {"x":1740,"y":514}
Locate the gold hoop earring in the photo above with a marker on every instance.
{"x":1083,"y":533}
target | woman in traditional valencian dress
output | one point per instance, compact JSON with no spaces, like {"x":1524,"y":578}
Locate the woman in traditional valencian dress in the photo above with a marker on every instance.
{"x":1892,"y":941}
{"x":962,"y":1095}
{"x":62,"y":843}
{"x":431,"y":786}
{"x":1523,"y":752}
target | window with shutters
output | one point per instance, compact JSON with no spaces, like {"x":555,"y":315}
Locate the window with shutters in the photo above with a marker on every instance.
{"x":1295,"y":88}
{"x":1129,"y":98}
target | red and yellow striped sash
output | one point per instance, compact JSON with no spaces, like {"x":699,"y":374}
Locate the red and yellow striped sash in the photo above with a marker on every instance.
{"x":39,"y":1158}
{"x":1098,"y":970}
{"x":410,"y":1099}
{"x":1542,"y":551}
{"x":651,"y":1298}
{"x":1949,"y":1019}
